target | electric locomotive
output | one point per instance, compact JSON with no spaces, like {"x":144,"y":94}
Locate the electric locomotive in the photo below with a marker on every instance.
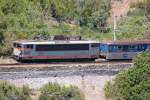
{"x":58,"y":49}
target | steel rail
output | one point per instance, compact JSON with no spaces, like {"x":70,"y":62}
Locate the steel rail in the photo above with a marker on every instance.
{"x":66,"y":63}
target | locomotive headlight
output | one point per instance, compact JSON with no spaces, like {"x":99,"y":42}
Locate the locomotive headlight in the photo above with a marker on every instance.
{"x":17,"y":52}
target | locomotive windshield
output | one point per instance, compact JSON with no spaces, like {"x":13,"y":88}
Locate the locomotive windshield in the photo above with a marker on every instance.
{"x":17,"y":45}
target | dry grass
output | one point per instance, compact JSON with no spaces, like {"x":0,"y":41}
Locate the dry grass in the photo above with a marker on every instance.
{"x":6,"y":60}
{"x":120,"y":8}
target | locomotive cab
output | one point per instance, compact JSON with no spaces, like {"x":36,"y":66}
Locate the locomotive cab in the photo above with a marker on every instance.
{"x":21,"y":50}
{"x":17,"y":52}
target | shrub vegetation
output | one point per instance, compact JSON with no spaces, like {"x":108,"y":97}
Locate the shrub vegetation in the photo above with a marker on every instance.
{"x":11,"y":92}
{"x":136,"y":25}
{"x":133,"y":84}
{"x":53,"y":91}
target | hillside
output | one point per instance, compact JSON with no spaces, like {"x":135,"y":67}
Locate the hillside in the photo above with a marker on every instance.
{"x":24,"y":19}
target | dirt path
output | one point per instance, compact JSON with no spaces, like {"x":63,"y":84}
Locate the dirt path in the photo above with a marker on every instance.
{"x":120,"y":7}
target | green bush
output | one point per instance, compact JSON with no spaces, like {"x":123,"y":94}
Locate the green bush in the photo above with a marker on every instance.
{"x":11,"y":92}
{"x":133,"y":27}
{"x":53,"y":91}
{"x":108,"y":90}
{"x":133,"y":84}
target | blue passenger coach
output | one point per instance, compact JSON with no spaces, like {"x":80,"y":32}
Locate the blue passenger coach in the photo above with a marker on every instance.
{"x":122,"y":49}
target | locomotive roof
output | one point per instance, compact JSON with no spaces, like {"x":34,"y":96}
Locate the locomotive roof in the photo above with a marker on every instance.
{"x":127,"y":42}
{"x":55,"y":42}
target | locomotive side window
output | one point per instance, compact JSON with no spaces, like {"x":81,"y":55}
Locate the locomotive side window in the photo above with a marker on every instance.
{"x":65,"y":47}
{"x":42,"y":48}
{"x":28,"y":46}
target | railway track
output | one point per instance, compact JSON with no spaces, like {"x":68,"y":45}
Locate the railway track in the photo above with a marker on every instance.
{"x":66,"y":63}
{"x":54,"y":66}
{"x":61,"y":69}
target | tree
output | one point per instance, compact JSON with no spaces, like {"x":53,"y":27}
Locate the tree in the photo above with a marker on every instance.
{"x":94,"y":13}
{"x":20,"y":19}
{"x":91,"y":13}
{"x":133,"y":84}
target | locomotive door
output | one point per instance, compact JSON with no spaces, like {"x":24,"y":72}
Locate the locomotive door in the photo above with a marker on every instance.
{"x":94,"y":50}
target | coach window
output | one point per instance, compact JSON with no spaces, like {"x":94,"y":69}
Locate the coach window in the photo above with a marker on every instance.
{"x":148,"y":47}
{"x":120,"y":48}
{"x":112,"y":48}
{"x":125,"y":48}
{"x":132,"y":48}
{"x":104,"y":48}
{"x":141,"y":47}
{"x":115,"y":48}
